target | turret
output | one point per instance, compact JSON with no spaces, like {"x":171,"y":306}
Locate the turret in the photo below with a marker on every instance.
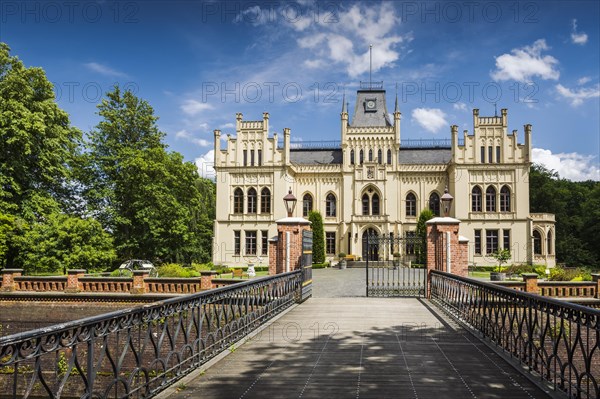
{"x":217,"y":146}
{"x":286,"y":145}
{"x":528,"y":143}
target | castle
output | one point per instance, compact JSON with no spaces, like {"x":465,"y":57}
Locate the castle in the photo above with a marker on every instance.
{"x":373,"y":182}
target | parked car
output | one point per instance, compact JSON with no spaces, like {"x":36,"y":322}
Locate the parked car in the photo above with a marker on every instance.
{"x":139,"y":264}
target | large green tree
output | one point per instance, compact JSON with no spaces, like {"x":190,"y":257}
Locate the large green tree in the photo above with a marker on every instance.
{"x":147,"y":197}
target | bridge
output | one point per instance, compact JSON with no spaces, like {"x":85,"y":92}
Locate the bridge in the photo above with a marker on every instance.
{"x":267,"y":336}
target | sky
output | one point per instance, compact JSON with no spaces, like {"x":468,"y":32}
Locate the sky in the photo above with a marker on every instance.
{"x":198,"y":63}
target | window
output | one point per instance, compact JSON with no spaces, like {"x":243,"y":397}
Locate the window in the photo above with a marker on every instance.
{"x":307,"y":204}
{"x":375,"y":204}
{"x":251,"y":157}
{"x":549,"y":243}
{"x":497,"y":154}
{"x":537,"y":243}
{"x":506,"y":239}
{"x":370,"y":155}
{"x":482,"y":154}
{"x":264,"y":235}
{"x":491,"y":241}
{"x":410,"y":242}
{"x":245,"y":152}
{"x":265,"y":201}
{"x":411,"y":205}
{"x":252,"y":199}
{"x":250,"y":242}
{"x":476,"y":199}
{"x":389,"y":157}
{"x":478,"y":242}
{"x":490,"y":153}
{"x":434,"y":203}
{"x":490,"y":199}
{"x":237,"y":242}
{"x":379,"y":156}
{"x":351,"y":157}
{"x":330,"y":205}
{"x":365,"y":204}
{"x":238,"y":201}
{"x":259,"y":157}
{"x":330,"y":243}
{"x":361,"y":156}
{"x":505,"y":199}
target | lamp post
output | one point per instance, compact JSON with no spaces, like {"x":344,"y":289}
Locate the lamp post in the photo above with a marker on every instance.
{"x":290,"y":202}
{"x":447,"y":202}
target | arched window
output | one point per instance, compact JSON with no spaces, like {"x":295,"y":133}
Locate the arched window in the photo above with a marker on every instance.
{"x":476,"y":199}
{"x":434,"y":203}
{"x":549,"y":243}
{"x":265,"y":201}
{"x":411,"y":205}
{"x":330,"y":205}
{"x":361,"y":156}
{"x":238,"y":201}
{"x":379,"y":156}
{"x":490,"y":199}
{"x":351,"y":157}
{"x":370,"y":155}
{"x":537,"y":242}
{"x":365,"y":204}
{"x":389,"y":157}
{"x":505,"y":199}
{"x":307,"y":204}
{"x":252,"y":199}
{"x":375,"y":204}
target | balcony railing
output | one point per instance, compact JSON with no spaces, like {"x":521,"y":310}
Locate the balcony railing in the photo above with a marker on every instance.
{"x":140,"y":351}
{"x":337,"y":144}
{"x":557,"y":341}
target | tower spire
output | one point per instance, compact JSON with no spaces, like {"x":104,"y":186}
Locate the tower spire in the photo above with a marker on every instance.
{"x":344,"y":110}
{"x":396,"y":104}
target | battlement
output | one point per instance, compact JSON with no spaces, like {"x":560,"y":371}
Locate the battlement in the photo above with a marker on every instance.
{"x":491,"y":121}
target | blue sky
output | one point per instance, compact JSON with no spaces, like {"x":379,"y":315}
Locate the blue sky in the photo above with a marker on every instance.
{"x":200,"y":62}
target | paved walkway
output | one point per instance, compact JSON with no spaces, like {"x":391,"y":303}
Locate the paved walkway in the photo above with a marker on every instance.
{"x":359,"y":348}
{"x":338,"y":283}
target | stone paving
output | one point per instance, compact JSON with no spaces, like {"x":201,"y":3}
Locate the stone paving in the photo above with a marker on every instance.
{"x":342,"y":347}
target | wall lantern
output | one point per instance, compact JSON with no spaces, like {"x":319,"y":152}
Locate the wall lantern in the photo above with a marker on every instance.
{"x":447,"y":202}
{"x":290,"y":203}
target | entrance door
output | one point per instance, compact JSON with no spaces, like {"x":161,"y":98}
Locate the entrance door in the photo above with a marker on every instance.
{"x":370,"y":252}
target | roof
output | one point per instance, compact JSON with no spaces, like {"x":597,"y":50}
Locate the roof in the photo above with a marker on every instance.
{"x":364,"y":118}
{"x":316,"y":156}
{"x":424,"y":155}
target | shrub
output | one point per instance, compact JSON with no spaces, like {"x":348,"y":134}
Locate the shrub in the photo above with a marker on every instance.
{"x":318,"y":249}
{"x":176,"y":270}
{"x":320,"y":265}
{"x":121,"y":273}
{"x":564,"y":274}
{"x":199,"y":267}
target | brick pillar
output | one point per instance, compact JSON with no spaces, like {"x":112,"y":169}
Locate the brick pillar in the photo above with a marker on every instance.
{"x":73,"y":283}
{"x":531,"y":282}
{"x":8,"y":279}
{"x":139,"y":285}
{"x":596,"y":279}
{"x":278,"y":258}
{"x":206,"y":279}
{"x":437,"y":229}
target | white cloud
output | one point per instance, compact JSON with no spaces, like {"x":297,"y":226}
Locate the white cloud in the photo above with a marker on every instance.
{"x":572,"y":166}
{"x":459,"y":106}
{"x":228,"y":125}
{"x":583,"y":80}
{"x":578,"y":38}
{"x":525,"y":63}
{"x":205,"y":165}
{"x":432,"y":119}
{"x":579,"y":95}
{"x":184,"y":134}
{"x":193,"y":107}
{"x":347,"y":41}
{"x":105,"y":70}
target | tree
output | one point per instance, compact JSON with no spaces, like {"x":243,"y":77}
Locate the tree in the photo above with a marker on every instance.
{"x":421,"y":233}
{"x":502,"y":256}
{"x":147,"y":197}
{"x":318,"y":251}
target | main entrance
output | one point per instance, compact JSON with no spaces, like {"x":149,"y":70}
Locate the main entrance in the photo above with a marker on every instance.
{"x":370,"y":253}
{"x":395,"y":266}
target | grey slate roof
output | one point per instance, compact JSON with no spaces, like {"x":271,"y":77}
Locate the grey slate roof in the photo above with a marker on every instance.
{"x":316,"y":157}
{"x":362,"y":118}
{"x":424,"y":155}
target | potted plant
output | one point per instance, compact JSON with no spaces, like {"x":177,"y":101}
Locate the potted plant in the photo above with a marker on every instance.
{"x":342,"y":257}
{"x":501,"y":255}
{"x":396,"y":259}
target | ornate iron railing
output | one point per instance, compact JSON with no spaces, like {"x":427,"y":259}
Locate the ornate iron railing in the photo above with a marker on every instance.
{"x":140,"y":351}
{"x":558,"y":341}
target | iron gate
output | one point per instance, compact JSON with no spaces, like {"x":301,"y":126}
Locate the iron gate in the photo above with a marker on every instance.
{"x":306,"y":264}
{"x":396,"y":266}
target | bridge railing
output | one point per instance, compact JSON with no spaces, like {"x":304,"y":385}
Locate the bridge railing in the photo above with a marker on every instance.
{"x":557,"y":341}
{"x":140,"y":351}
